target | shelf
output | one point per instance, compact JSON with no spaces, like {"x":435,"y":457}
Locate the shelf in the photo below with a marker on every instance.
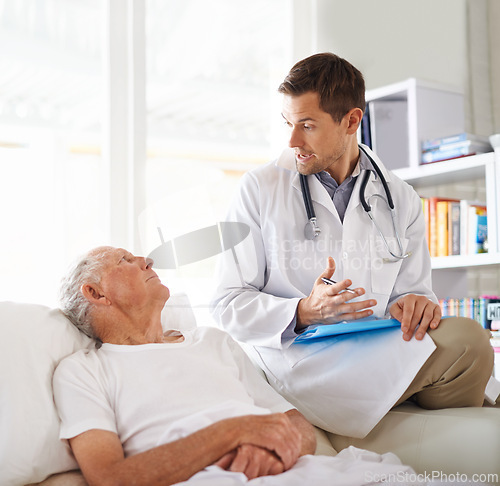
{"x":446,"y":171}
{"x":482,"y":166}
{"x":420,"y":110}
{"x":465,"y":261}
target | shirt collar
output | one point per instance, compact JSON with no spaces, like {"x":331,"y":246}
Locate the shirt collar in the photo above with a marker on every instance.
{"x":362,"y":164}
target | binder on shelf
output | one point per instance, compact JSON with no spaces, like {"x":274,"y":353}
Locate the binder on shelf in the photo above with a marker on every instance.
{"x":366,"y":137}
{"x":389,"y":131}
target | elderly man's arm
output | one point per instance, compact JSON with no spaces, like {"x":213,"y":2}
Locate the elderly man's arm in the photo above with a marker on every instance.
{"x":306,"y":430}
{"x":101,"y":458}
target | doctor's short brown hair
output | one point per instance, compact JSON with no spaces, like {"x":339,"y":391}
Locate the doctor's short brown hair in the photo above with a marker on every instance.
{"x":340,"y":86}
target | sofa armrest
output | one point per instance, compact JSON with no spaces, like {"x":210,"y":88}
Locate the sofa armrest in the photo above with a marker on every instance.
{"x":463,"y":440}
{"x":323,"y":445}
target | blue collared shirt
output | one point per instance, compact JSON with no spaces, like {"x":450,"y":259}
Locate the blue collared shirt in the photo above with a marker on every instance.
{"x":341,"y":194}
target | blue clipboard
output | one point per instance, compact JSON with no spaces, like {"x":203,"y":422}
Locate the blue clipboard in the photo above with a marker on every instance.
{"x":327,"y":330}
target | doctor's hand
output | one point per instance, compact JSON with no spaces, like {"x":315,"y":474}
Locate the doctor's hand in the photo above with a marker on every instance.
{"x":327,"y":304}
{"x":412,"y":310}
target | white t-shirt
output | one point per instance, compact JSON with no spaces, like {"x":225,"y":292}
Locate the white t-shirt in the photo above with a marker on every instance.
{"x":155,"y":393}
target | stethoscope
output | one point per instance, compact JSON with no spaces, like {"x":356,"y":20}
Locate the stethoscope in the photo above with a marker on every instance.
{"x":312,"y":230}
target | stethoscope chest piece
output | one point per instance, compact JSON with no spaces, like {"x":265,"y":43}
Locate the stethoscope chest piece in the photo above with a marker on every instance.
{"x":311,"y":229}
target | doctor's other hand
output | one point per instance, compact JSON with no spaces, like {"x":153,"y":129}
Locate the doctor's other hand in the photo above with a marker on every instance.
{"x":327,"y":304}
{"x":412,"y":310}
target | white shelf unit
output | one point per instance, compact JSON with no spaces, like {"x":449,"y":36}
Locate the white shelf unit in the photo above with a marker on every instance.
{"x":423,"y":111}
{"x":451,"y":274}
{"x":428,"y":111}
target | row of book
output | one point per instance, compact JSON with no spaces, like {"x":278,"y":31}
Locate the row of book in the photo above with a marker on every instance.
{"x":485,"y":309}
{"x":455,"y":227}
{"x":460,"y":145}
{"x":495,"y":342}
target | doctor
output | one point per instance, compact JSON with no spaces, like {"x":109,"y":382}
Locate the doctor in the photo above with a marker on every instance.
{"x":270,"y":288}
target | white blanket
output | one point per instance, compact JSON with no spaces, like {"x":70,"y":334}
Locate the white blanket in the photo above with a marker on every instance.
{"x":351,"y":467}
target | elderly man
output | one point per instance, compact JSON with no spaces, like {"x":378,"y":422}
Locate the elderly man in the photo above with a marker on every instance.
{"x":152,"y":407}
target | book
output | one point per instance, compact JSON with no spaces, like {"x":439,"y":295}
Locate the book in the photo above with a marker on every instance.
{"x":451,"y":139}
{"x":442,"y":228}
{"x":473,"y":227}
{"x":445,"y":153}
{"x":438,"y":234}
{"x":477,"y":229}
{"x":490,"y":310}
{"x":483,"y":146}
{"x":485,"y":309}
{"x":453,"y":228}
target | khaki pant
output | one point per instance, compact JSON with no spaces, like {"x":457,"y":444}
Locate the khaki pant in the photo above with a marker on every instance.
{"x":456,"y":374}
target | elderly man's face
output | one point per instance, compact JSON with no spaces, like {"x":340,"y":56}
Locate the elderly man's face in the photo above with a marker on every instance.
{"x":129,"y":281}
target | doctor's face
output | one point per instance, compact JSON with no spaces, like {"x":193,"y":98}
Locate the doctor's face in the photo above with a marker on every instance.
{"x":319,"y":142}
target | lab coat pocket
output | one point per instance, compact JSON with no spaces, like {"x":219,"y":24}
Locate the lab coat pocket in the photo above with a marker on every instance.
{"x":300,"y":351}
{"x":384,"y":268}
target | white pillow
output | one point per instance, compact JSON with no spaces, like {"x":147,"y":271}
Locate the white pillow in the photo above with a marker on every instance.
{"x":34,"y":339}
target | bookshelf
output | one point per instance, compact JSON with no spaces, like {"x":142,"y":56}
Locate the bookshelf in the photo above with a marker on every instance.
{"x":483,"y":167}
{"x":424,"y":110}
{"x":404,"y":114}
{"x":399,"y":118}
{"x":452,"y":275}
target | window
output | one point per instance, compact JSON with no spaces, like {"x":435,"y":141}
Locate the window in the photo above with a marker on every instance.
{"x":50,"y":164}
{"x":212,"y":73}
{"x":213,"y":113}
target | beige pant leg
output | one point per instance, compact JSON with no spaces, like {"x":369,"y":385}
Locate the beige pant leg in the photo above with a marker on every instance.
{"x":456,"y":374}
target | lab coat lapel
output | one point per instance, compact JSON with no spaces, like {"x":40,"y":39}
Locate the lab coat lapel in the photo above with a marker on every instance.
{"x":320,"y":195}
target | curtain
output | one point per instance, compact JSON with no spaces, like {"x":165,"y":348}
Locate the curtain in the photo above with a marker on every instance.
{"x":483,"y":107}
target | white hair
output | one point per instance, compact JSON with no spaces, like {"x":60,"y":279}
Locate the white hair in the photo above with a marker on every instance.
{"x":86,"y":270}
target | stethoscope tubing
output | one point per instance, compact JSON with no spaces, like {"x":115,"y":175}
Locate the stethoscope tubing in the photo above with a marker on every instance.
{"x":364,"y":182}
{"x":312,"y":229}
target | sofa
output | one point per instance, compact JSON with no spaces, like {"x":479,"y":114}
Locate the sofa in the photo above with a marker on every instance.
{"x":35,"y":338}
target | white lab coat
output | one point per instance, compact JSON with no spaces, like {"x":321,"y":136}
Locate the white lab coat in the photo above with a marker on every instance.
{"x":344,"y":385}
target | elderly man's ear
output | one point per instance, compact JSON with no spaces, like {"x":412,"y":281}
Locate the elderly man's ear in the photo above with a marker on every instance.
{"x":94,"y":295}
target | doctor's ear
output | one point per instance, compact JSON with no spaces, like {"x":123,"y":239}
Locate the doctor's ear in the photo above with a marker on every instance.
{"x":93,"y":294}
{"x":354,"y":118}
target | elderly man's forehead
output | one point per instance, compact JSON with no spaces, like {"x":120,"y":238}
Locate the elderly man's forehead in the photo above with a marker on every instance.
{"x":102,"y":251}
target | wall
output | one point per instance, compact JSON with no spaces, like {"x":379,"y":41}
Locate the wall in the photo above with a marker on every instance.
{"x":391,"y":40}
{"x":450,"y":42}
